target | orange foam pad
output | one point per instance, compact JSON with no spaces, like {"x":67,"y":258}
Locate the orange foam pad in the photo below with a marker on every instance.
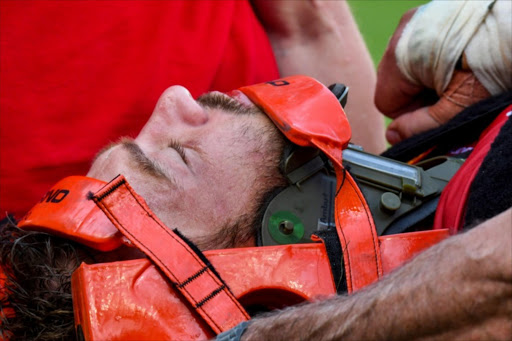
{"x":68,"y":211}
{"x":132,"y":300}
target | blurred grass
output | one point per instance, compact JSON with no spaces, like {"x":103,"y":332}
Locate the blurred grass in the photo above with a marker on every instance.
{"x":377,"y":20}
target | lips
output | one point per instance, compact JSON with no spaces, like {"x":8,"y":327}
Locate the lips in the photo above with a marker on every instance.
{"x":240,"y":97}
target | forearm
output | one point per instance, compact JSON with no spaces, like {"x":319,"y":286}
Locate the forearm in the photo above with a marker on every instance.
{"x":461,"y":288}
{"x":321,"y":39}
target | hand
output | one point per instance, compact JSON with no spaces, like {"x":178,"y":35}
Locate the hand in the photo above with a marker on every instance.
{"x":414,"y":107}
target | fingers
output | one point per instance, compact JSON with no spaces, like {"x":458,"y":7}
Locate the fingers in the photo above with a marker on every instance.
{"x":464,"y":90}
{"x":410,"y":124}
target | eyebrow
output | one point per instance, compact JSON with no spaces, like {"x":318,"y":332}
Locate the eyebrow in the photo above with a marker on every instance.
{"x":145,"y":164}
{"x":226,"y":103}
{"x":136,"y":154}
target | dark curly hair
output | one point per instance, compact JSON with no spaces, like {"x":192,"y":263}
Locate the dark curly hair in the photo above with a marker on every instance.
{"x":36,"y":297}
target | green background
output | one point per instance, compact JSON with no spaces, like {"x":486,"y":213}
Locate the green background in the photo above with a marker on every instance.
{"x":377,"y":20}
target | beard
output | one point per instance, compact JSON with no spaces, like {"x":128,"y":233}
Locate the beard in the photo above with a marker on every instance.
{"x":243,"y":231}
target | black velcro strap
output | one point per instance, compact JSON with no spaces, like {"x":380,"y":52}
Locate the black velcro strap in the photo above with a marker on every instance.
{"x":490,"y":192}
{"x":335,"y":254}
{"x":462,"y":130}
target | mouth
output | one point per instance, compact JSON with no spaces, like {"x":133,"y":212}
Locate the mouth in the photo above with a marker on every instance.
{"x":241,"y":98}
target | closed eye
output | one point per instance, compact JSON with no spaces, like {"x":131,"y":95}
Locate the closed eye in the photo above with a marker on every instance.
{"x":180,"y":149}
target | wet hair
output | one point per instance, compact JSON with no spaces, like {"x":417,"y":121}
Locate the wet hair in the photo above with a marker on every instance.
{"x":36,"y":295}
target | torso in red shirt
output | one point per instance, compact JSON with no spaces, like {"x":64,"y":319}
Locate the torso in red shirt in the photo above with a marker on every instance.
{"x":76,"y":75}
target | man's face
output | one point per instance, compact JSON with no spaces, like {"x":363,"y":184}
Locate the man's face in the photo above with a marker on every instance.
{"x":202,"y":167}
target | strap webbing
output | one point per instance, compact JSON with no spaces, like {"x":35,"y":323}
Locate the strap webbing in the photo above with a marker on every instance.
{"x":205,"y":291}
{"x":357,"y":233}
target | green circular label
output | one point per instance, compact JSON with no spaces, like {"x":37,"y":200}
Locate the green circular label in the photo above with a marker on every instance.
{"x":283,"y":218}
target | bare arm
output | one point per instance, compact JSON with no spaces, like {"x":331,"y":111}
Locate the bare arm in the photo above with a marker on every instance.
{"x":459,"y":289}
{"x":321,"y":39}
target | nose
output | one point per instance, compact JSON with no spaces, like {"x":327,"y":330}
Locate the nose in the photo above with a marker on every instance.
{"x":176,"y":105}
{"x":176,"y":111}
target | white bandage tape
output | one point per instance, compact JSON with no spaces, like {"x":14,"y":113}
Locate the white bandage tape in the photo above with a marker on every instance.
{"x":438,"y":34}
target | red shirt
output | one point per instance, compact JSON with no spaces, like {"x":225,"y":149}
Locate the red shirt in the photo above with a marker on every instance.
{"x":76,"y":75}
